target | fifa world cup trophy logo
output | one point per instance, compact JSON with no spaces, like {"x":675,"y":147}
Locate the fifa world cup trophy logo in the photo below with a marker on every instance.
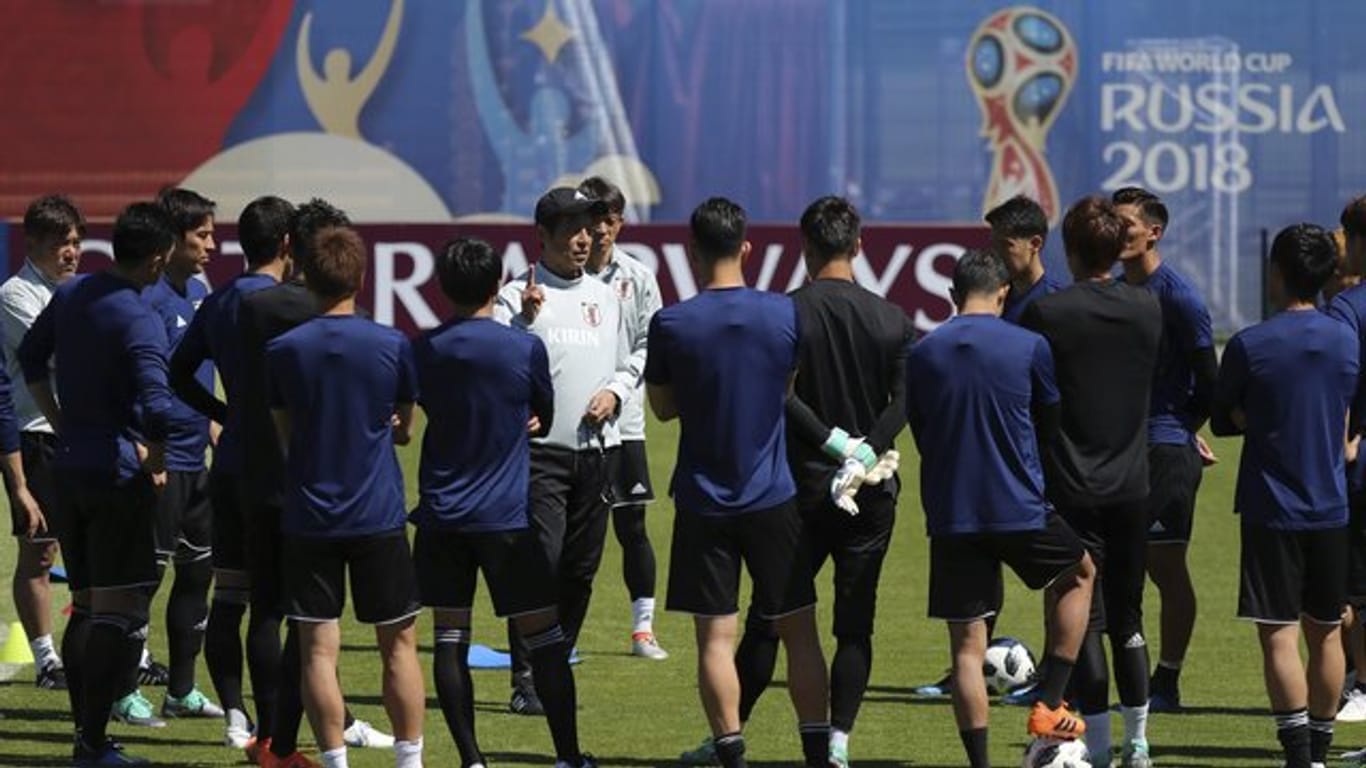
{"x":1021,"y":63}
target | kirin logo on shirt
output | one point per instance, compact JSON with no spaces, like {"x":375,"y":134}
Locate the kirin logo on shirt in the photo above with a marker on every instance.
{"x":592,"y":313}
{"x":623,"y":288}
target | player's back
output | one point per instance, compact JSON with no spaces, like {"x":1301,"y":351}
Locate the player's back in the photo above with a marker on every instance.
{"x":728,"y":354}
{"x":1104,"y":337}
{"x":480,"y":380}
{"x":1293,"y":376}
{"x":1185,"y":328}
{"x":103,"y":333}
{"x":972,"y":385}
{"x":850,"y":366}
{"x":262,"y":316}
{"x":340,"y":377}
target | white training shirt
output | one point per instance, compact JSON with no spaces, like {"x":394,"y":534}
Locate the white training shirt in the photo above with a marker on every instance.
{"x":22,"y":298}
{"x":638,"y":290}
{"x":586,"y":340}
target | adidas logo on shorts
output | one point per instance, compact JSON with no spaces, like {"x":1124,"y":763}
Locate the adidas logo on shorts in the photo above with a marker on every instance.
{"x":638,"y":488}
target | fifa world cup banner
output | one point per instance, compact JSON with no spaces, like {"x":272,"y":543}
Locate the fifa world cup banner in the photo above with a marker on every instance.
{"x":1243,"y":116}
{"x":910,"y":265}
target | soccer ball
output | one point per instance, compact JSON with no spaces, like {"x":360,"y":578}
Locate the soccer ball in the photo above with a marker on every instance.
{"x":1056,"y":753}
{"x":1007,"y":665}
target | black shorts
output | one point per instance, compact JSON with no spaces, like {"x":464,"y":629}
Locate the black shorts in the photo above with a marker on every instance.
{"x":1174,"y":473}
{"x":1356,"y":549}
{"x":1286,"y":575}
{"x":965,"y":569}
{"x":383,"y":584}
{"x":857,"y":545}
{"x":261,"y":528}
{"x":38,"y":451}
{"x":109,"y":536}
{"x":229,"y":533}
{"x":184,"y":518}
{"x":1115,"y":535}
{"x":629,"y":470}
{"x":704,"y":562}
{"x":516,"y":570}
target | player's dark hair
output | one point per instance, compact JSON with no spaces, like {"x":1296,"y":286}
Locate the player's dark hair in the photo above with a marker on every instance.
{"x":262,"y":228}
{"x":142,"y":231}
{"x":1151,"y":206}
{"x":469,"y":271}
{"x":599,"y":188}
{"x":188,"y":208}
{"x":50,"y":217}
{"x":830,"y":227}
{"x":1353,"y":217}
{"x":1019,"y":217}
{"x":308,"y":220}
{"x":718,"y":229}
{"x":1094,"y":233}
{"x":979,"y":272}
{"x":338,"y":267}
{"x":1305,"y":256}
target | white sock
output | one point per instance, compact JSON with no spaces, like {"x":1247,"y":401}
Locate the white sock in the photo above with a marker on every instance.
{"x":335,"y":758}
{"x":839,"y":739}
{"x":146,"y":656}
{"x":643,"y":615}
{"x":1098,"y":738}
{"x":44,"y":653}
{"x":408,"y":754}
{"x":1135,"y":723}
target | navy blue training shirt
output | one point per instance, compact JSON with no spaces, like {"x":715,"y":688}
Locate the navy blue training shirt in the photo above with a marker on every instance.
{"x":189,"y":433}
{"x":1185,"y":328}
{"x":1350,"y":307}
{"x":728,"y":355}
{"x":1016,"y":304}
{"x":971,"y":389}
{"x":480,"y":382}
{"x":340,"y":378}
{"x":113,"y":349}
{"x":214,"y":335}
{"x":1293,"y":377}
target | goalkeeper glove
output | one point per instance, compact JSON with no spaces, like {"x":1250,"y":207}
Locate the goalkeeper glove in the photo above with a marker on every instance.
{"x":846,"y":484}
{"x":839,"y":446}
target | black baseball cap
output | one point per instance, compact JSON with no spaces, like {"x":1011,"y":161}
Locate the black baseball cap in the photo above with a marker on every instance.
{"x":562,"y":202}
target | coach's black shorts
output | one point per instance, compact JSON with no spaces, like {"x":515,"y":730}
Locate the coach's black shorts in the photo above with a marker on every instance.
{"x":1174,"y":473}
{"x":1285,"y":575}
{"x":38,"y":451}
{"x":516,"y":570}
{"x":858,"y":545}
{"x":184,"y":518}
{"x":264,"y":552}
{"x":629,"y":469}
{"x":704,"y":562}
{"x":1116,"y":536}
{"x":109,"y":536}
{"x":965,"y":569}
{"x":383,"y":584}
{"x":229,"y":532}
{"x":1356,"y":549}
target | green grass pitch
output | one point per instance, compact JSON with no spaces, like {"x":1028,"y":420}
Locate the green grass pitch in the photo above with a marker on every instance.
{"x":640,"y":713}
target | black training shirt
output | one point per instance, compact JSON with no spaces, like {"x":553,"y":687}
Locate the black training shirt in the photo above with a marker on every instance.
{"x":1105,"y":339}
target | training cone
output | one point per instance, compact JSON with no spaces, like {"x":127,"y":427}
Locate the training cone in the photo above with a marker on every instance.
{"x":16,"y":650}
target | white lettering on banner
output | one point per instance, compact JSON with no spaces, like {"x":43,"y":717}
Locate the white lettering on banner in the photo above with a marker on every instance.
{"x":1172,"y":58}
{"x":1216,"y":107}
{"x":387,"y":288}
{"x":680,"y":271}
{"x":934,"y":283}
{"x":91,"y":245}
{"x":574,"y":337}
{"x":772,"y":255}
{"x":514,"y":260}
{"x":863,"y":270}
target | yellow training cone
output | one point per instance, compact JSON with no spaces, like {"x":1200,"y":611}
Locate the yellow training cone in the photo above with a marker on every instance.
{"x":16,"y":650}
